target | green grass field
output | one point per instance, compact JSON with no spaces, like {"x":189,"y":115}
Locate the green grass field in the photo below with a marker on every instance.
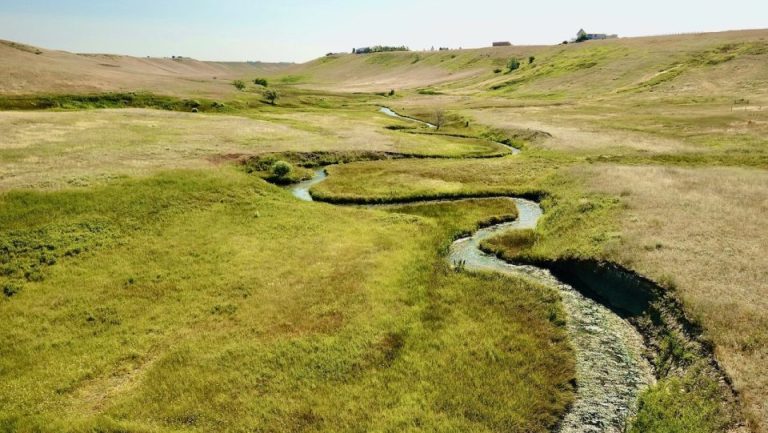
{"x":211,"y":300}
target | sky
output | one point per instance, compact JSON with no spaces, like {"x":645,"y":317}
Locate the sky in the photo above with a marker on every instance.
{"x":300,"y":30}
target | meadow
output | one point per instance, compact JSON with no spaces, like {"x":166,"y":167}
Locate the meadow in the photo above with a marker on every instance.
{"x":154,"y":281}
{"x":192,"y":300}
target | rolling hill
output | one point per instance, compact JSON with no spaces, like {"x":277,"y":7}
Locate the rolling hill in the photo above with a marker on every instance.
{"x":30,"y":70}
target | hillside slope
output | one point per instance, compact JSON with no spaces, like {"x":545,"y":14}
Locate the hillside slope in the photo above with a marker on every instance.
{"x":25,"y":69}
{"x":711,"y":63}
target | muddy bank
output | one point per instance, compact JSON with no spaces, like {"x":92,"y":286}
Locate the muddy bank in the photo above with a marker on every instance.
{"x":673,"y":339}
{"x":611,"y":366}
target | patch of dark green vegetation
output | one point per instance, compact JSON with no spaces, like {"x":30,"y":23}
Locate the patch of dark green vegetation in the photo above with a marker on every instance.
{"x":400,"y":128}
{"x":429,"y":92}
{"x":317,"y":159}
{"x":26,"y":254}
{"x":108,"y":100}
{"x":318,"y":195}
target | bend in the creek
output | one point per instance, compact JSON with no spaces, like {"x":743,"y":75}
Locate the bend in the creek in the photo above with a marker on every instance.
{"x":610,"y":367}
{"x":390,"y":112}
{"x":301,"y":190}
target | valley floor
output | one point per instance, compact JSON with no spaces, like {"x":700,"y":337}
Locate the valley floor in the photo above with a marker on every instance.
{"x":155,"y":279}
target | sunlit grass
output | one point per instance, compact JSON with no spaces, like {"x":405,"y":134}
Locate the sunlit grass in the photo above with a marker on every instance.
{"x":213,"y":301}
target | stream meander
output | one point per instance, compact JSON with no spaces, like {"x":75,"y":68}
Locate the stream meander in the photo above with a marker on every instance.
{"x":610,"y":367}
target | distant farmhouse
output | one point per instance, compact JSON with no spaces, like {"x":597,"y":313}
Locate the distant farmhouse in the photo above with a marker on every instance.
{"x":502,"y":44}
{"x":582,"y":36}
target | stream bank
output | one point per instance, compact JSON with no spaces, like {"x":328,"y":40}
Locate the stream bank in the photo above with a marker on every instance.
{"x":611,"y":367}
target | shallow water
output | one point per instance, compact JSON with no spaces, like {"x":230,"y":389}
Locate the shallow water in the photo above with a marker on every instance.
{"x":301,"y":189}
{"x":610,"y":367}
{"x":389,"y":112}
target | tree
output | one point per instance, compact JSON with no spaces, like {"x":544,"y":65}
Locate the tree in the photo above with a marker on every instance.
{"x":271,"y":95}
{"x":513,"y":64}
{"x":239,"y":84}
{"x":280,"y":169}
{"x":439,"y":119}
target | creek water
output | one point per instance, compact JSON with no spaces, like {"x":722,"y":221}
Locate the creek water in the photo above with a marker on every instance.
{"x":611,"y":370}
{"x":391,"y":113}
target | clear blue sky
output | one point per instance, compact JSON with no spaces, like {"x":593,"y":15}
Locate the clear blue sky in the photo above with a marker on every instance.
{"x":299,"y":30}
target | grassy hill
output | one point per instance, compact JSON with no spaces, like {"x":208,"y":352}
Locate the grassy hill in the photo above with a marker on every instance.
{"x":716,"y":63}
{"x":26,"y":69}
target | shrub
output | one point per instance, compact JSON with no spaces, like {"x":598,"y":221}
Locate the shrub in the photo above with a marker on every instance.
{"x":497,"y":71}
{"x":261,"y":82}
{"x":281,"y":169}
{"x":239,"y":84}
{"x":271,"y":95}
{"x":513,"y":64}
{"x":392,"y":92}
{"x":10,"y":289}
{"x":531,"y":59}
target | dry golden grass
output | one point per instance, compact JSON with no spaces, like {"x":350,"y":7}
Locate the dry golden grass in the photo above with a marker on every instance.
{"x":52,"y":149}
{"x":24,"y":71}
{"x":589,"y":71}
{"x":704,"y":231}
{"x":574,"y":133}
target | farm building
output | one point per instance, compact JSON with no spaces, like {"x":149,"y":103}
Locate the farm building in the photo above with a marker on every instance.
{"x":584,"y":36}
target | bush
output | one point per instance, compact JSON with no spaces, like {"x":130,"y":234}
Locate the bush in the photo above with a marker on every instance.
{"x":10,"y":290}
{"x":281,"y":169}
{"x":531,"y":59}
{"x":239,"y":84}
{"x":513,"y":64}
{"x":497,"y":71}
{"x":261,"y":82}
{"x":271,"y":95}
{"x":392,"y":92}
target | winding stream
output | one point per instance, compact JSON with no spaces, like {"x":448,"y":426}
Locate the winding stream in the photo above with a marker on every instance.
{"x":610,"y":367}
{"x":389,"y":112}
